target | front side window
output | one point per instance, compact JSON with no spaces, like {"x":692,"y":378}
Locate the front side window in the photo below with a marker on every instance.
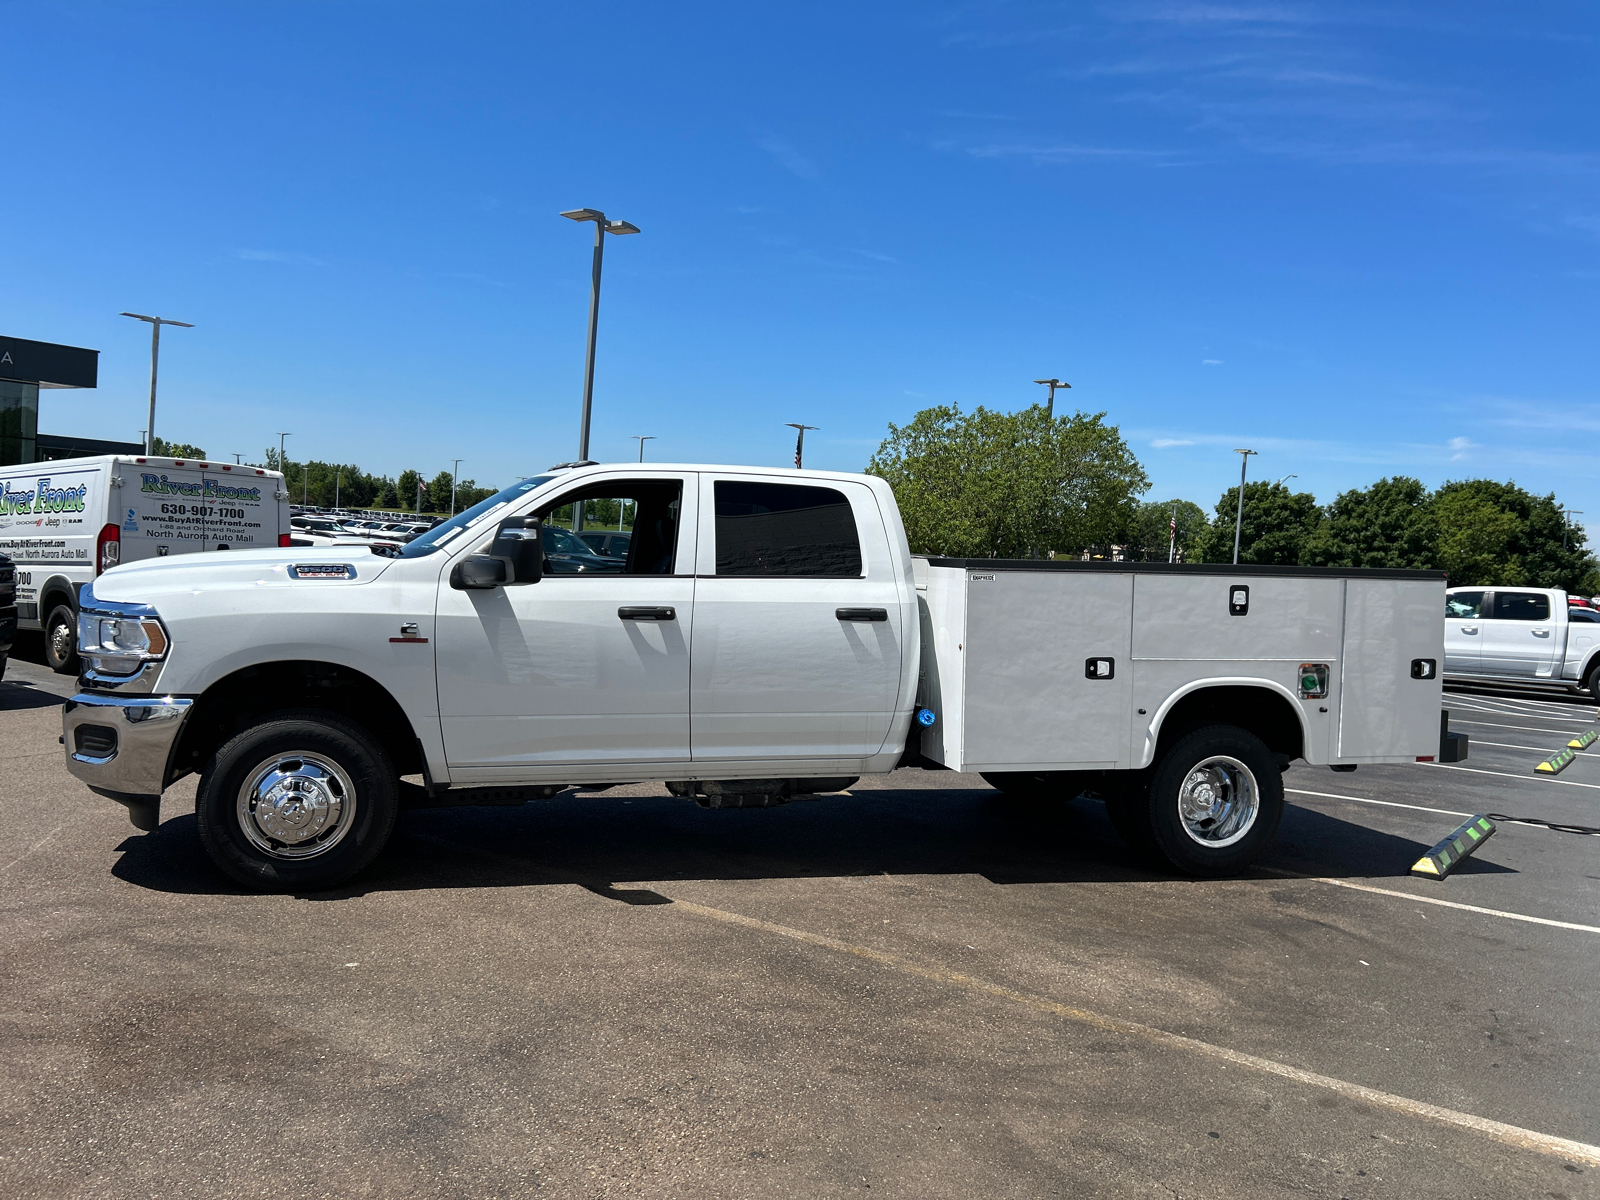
{"x":785,"y":529}
{"x":629,"y":527}
{"x":1463,"y":605}
{"x":1521,"y":606}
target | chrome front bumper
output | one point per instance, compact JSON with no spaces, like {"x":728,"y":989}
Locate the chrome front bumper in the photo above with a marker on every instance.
{"x":121,"y":745}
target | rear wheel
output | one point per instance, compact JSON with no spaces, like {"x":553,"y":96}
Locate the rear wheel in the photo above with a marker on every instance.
{"x":301,"y":800}
{"x":61,"y":640}
{"x":1213,"y":803}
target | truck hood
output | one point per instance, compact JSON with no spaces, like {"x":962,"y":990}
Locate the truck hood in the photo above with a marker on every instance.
{"x":147,"y":581}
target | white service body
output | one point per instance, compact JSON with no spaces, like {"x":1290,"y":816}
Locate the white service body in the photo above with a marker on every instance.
{"x":53,"y":516}
{"x":1010,"y":647}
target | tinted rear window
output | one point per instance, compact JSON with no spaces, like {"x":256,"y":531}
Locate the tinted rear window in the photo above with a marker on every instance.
{"x":785,"y":529}
{"x":1521,"y":606}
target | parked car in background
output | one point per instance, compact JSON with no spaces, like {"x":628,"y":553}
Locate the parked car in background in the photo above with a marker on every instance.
{"x":610,"y":542}
{"x":1521,"y":635}
{"x":568,"y":554}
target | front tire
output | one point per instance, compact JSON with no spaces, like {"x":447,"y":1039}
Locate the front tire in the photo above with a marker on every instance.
{"x":1214,"y":802}
{"x":61,"y":640}
{"x":1592,"y":684}
{"x":301,"y":801}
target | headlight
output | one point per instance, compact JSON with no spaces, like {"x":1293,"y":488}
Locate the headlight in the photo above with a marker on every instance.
{"x":120,"y":645}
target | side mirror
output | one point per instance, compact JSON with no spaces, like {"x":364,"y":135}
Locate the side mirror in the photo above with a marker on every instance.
{"x":478,"y":572}
{"x":519,"y":542}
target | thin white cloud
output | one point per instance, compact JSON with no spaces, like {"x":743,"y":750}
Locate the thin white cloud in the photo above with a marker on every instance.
{"x":1167,"y":443}
{"x":789,"y":158}
{"x":1210,"y":362}
{"x":1460,"y":447}
{"x":278,"y":256}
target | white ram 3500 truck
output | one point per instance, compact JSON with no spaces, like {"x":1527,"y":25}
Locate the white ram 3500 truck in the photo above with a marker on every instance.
{"x":1521,"y":635}
{"x":769,"y":635}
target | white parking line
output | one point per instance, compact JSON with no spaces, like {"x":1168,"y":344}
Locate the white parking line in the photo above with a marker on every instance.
{"x":1487,"y":912}
{"x":1448,"y":812}
{"x":1510,"y":746}
{"x":1518,"y":728}
{"x":1508,"y":775}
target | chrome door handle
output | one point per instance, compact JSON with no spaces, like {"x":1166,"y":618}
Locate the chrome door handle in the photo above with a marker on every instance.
{"x":1469,"y":629}
{"x":861,"y":614}
{"x":1540,"y":632}
{"x":647,"y":612}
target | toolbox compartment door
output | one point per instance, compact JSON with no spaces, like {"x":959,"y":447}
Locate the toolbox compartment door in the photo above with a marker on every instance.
{"x":1030,"y":703}
{"x":1385,"y":713}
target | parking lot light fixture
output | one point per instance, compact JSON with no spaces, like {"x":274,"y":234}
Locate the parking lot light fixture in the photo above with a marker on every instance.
{"x":1050,"y":404}
{"x":799,"y":442}
{"x":1238,"y":522}
{"x":454,"y":470}
{"x":642,"y":439}
{"x":602,"y":226}
{"x":155,"y":355}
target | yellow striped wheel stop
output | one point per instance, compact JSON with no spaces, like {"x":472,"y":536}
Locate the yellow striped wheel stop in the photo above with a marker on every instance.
{"x":1557,"y":762}
{"x":1453,"y":851}
{"x":1584,"y":740}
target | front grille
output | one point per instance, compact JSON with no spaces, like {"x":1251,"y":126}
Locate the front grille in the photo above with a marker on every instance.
{"x":96,"y":741}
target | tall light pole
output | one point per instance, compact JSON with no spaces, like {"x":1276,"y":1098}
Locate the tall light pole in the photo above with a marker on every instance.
{"x":155,"y":354}
{"x":1565,"y":513}
{"x":281,"y":436}
{"x":338,"y":478}
{"x":1050,"y":404}
{"x":1238,"y":522}
{"x":1280,"y":482}
{"x":453,"y":472}
{"x":602,"y":228}
{"x":237,"y":457}
{"x":800,"y":442}
{"x":305,"y":484}
{"x":642,"y":439}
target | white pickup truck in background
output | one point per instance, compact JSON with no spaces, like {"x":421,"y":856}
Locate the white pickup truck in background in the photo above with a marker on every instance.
{"x":1522,"y":635}
{"x":768,"y":635}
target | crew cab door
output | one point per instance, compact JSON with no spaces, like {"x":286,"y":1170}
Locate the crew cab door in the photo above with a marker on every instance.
{"x":797,"y":632}
{"x":590,"y":665}
{"x":1519,"y":640}
{"x":1463,"y":632}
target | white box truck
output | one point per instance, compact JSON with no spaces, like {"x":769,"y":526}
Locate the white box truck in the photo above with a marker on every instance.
{"x":768,"y":635}
{"x":64,"y":523}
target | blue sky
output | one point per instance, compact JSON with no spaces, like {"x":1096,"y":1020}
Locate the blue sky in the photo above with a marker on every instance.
{"x":1362,"y":239}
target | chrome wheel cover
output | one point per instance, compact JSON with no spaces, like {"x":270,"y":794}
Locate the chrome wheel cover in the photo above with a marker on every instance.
{"x":61,"y":636}
{"x":1218,"y":801}
{"x":296,"y":806}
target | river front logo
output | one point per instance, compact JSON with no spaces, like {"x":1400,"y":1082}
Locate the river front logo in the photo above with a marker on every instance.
{"x":206,"y":489}
{"x":37,"y":497}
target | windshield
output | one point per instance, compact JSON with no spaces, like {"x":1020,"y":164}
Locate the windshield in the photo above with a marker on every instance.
{"x":441,"y":535}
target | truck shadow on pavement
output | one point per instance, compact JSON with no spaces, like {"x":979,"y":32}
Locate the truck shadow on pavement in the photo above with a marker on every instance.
{"x":15,"y":696}
{"x":597,"y":842}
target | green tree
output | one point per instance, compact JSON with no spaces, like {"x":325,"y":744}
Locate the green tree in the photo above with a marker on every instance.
{"x":1277,"y":525}
{"x":989,"y":484}
{"x":438,"y":499}
{"x":1389,"y":524}
{"x":166,"y":449}
{"x":1498,"y":533}
{"x":406,"y":489}
{"x":1149,"y":537}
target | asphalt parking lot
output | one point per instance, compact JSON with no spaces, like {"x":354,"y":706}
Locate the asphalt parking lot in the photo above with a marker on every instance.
{"x":920,"y":988}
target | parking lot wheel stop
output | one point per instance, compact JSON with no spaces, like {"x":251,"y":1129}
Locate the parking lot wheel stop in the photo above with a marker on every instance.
{"x":1557,"y":762}
{"x":1454,"y":850}
{"x":1584,"y":740}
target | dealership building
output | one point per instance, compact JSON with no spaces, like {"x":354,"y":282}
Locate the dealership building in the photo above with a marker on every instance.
{"x":26,"y":367}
